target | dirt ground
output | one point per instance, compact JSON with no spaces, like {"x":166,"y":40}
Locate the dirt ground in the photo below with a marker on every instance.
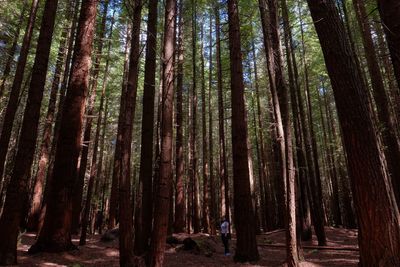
{"x":271,"y":248}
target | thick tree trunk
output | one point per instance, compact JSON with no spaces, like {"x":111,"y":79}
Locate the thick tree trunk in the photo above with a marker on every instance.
{"x":44,"y":154}
{"x":246,"y":246}
{"x":74,"y":12}
{"x":125,"y":139}
{"x":163,"y":193}
{"x":56,"y":232}
{"x":143,"y":217}
{"x":13,"y":99}
{"x":17,"y":191}
{"x":374,"y":199}
{"x":113,"y":214}
{"x":84,"y":157}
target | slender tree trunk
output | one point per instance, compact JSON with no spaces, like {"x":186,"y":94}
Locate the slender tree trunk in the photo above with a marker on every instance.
{"x":223,"y":171}
{"x":315,"y":190}
{"x":194,"y":183}
{"x":56,"y":232}
{"x":213,"y":208}
{"x":163,"y":193}
{"x":305,"y":220}
{"x":246,"y":246}
{"x":17,"y":191}
{"x":374,"y":198}
{"x":206,"y":189}
{"x":12,"y":104}
{"x":34,"y":212}
{"x":179,"y":226}
{"x":143,"y":217}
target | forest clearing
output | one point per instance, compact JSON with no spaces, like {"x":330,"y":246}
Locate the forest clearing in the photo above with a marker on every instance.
{"x":158,"y":133}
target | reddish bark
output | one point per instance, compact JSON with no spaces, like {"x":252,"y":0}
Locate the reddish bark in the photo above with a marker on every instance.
{"x":165,"y":179}
{"x":244,"y":214}
{"x":56,"y":232}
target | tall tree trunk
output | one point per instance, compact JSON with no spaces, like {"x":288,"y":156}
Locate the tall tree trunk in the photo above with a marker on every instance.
{"x":34,"y":212}
{"x":17,"y":191}
{"x":143,"y":217}
{"x":125,"y":139}
{"x":305,"y":221}
{"x":223,"y":171}
{"x":165,"y":179}
{"x":94,"y":168}
{"x":374,"y":199}
{"x":12,"y":50}
{"x":180,"y":213}
{"x":244,"y":213}
{"x":64,"y":84}
{"x":314,"y":187}
{"x":113,"y":215}
{"x":193,"y":177}
{"x":387,"y":125}
{"x":206,"y":189}
{"x":12,"y":104}
{"x":213,"y":207}
{"x":56,"y":232}
{"x":84,"y":157}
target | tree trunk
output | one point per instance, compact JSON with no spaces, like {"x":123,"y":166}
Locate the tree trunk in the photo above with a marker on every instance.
{"x":193,"y":177}
{"x":143,"y":217}
{"x":180,"y":213}
{"x":84,"y":157}
{"x":94,"y":168}
{"x":114,"y":209}
{"x":125,"y":139}
{"x":44,"y":154}
{"x":12,"y":104}
{"x":374,"y":199}
{"x":206,"y":189}
{"x":17,"y":191}
{"x":56,"y":232}
{"x":244,"y":214}
{"x":213,"y":208}
{"x":165,"y":179}
{"x":223,"y":171}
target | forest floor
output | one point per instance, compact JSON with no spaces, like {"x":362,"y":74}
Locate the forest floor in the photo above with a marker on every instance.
{"x":271,"y":248}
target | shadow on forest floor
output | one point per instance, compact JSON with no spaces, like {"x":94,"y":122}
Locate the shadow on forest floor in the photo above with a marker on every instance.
{"x":271,"y":249}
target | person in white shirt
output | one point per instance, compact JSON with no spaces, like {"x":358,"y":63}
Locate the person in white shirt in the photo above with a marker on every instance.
{"x":225,"y":234}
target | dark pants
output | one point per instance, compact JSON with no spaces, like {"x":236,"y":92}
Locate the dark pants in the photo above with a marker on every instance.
{"x":225,"y":241}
